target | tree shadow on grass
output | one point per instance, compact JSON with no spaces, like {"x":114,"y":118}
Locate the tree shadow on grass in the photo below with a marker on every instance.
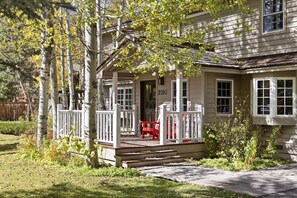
{"x":8,"y":147}
{"x":60,"y":190}
{"x":164,"y":188}
{"x":156,"y":188}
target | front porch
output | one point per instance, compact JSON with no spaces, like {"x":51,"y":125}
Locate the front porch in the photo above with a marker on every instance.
{"x":113,"y":125}
{"x":122,"y":144}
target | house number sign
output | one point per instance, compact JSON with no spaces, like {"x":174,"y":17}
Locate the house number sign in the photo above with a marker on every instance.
{"x":162,"y":92}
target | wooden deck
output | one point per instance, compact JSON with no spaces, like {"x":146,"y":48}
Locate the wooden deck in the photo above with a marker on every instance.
{"x":136,"y":145}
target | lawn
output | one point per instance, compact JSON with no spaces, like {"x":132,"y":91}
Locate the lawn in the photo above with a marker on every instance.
{"x":28,"y":179}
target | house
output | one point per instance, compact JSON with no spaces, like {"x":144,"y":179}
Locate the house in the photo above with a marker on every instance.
{"x":261,"y":64}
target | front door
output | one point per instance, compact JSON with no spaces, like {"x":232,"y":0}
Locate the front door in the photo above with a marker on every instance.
{"x":148,"y":100}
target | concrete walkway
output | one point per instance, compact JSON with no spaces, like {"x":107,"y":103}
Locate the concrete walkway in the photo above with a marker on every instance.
{"x":271,"y":182}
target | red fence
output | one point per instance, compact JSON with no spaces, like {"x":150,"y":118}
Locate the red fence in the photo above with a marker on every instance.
{"x":12,"y":111}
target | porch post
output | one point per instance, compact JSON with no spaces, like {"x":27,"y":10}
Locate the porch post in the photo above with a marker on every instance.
{"x":134,"y":124}
{"x":163,"y":110}
{"x":83,"y":109}
{"x":59,"y":107}
{"x":116,"y":126}
{"x":179,"y":104}
{"x":114,"y":89}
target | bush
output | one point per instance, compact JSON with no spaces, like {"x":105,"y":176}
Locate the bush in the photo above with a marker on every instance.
{"x":211,"y":139}
{"x":51,"y":151}
{"x":64,"y":154}
{"x":237,"y":139}
{"x":15,"y":127}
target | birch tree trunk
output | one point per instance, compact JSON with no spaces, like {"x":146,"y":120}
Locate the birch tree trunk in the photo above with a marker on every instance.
{"x":101,"y":103}
{"x":90,"y":88}
{"x":120,"y":23}
{"x":69,"y":63}
{"x":54,"y":93}
{"x":62,"y":68}
{"x":46,"y":53}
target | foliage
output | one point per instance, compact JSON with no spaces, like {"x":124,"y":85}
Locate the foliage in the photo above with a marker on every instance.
{"x":224,"y":164}
{"x":163,"y":34}
{"x":25,"y":178}
{"x":30,"y":8}
{"x":8,"y":85}
{"x":51,"y":151}
{"x":211,"y":139}
{"x":237,"y":139}
{"x":16,"y":127}
{"x":270,"y":149}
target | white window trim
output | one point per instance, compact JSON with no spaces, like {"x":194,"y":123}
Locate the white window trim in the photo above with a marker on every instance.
{"x":232,"y":97}
{"x":174,"y":81}
{"x":262,"y":19}
{"x":273,"y":97}
{"x":124,"y":88}
{"x":294,"y":96}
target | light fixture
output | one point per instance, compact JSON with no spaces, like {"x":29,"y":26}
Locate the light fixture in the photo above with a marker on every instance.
{"x":161,"y":81}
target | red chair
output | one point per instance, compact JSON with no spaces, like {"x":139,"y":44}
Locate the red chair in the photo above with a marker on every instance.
{"x":151,"y":128}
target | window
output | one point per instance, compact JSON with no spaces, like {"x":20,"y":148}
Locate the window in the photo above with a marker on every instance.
{"x":224,"y":96}
{"x":284,"y":97}
{"x":125,"y":98}
{"x":273,"y":15}
{"x":274,"y":96}
{"x":184,"y":95}
{"x":263,"y":97}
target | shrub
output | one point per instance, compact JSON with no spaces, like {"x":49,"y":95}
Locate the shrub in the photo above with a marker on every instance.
{"x":211,"y":139}
{"x":15,"y":127}
{"x":270,"y":149}
{"x":237,"y":139}
{"x":63,"y":152}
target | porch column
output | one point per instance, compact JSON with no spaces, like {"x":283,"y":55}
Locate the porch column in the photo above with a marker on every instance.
{"x":59,"y":122}
{"x":114,"y":89}
{"x":116,"y":126}
{"x":162,"y":126}
{"x":179,"y":104}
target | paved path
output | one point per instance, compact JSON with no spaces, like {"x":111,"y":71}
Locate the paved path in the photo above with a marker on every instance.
{"x":271,"y":182}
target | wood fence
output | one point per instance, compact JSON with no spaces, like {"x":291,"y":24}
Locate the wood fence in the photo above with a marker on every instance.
{"x":12,"y":111}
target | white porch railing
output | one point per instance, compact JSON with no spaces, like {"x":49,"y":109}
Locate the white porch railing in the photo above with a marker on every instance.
{"x":180,"y":126}
{"x":174,"y":126}
{"x":109,"y":124}
{"x":69,"y":123}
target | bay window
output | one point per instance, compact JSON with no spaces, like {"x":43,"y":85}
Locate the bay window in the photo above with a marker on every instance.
{"x":274,"y":97}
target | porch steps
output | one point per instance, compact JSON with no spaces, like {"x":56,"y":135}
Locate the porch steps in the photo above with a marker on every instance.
{"x":149,"y":157}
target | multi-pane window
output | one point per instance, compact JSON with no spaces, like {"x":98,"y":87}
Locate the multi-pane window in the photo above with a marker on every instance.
{"x":274,"y":96}
{"x":184,"y":95}
{"x":263,"y":97}
{"x":125,"y":98}
{"x":284,"y":97}
{"x":273,"y":15}
{"x":224,"y":97}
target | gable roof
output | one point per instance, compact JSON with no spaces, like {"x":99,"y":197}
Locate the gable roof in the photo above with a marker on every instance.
{"x":213,"y":59}
{"x":209,"y":58}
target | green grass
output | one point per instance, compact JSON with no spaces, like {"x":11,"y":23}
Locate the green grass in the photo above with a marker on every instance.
{"x":27,"y":179}
{"x":222,"y":163}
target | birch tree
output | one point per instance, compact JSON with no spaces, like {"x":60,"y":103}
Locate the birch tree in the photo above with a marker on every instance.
{"x":46,"y":54}
{"x":100,"y":23}
{"x":69,"y":62}
{"x":54,"y":92}
{"x":62,"y":61}
{"x":90,"y":87}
